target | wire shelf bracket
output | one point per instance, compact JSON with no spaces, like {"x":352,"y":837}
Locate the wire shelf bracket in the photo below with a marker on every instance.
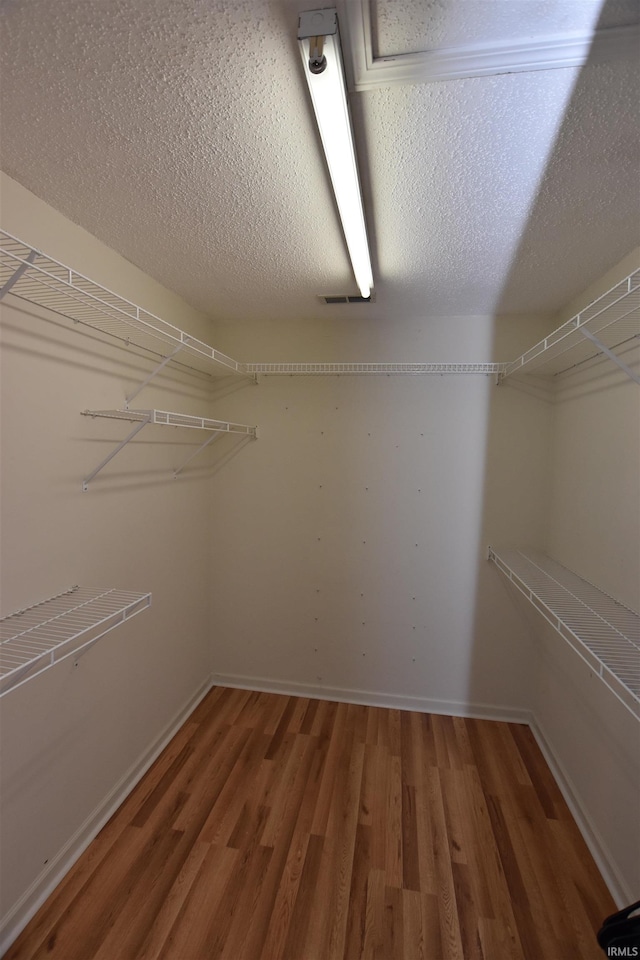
{"x":601,"y":630}
{"x":14,"y":277}
{"x":208,"y":441}
{"x":609,"y":322}
{"x":142,"y":418}
{"x":35,"y":639}
{"x":50,"y":284}
{"x":609,"y":353}
{"x":156,"y":370}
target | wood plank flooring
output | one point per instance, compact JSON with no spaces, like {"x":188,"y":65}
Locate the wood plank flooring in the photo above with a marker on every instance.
{"x":281,"y":828}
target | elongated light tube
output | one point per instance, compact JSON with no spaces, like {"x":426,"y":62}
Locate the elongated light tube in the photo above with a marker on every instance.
{"x":329,"y":98}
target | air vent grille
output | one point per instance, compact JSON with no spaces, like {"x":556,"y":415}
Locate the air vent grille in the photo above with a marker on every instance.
{"x":345,"y":299}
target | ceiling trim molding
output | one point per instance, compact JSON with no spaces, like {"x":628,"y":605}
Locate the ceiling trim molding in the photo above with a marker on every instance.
{"x":472,"y":60}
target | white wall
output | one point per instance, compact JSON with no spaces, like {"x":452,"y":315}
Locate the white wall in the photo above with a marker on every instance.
{"x":351,"y":539}
{"x":71,"y":735}
{"x":595,"y":509}
{"x":594,"y":529}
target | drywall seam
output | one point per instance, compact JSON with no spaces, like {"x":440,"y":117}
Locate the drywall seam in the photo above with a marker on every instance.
{"x":30,"y":902}
{"x":393,"y":701}
{"x":598,"y":849}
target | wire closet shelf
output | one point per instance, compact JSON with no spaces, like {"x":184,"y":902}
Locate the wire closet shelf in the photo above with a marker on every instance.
{"x":372,"y":369}
{"x":604,"y":632}
{"x":165,"y":418}
{"x":141,"y":418}
{"x":37,"y":278}
{"x":609,"y":323}
{"x":34,"y":639}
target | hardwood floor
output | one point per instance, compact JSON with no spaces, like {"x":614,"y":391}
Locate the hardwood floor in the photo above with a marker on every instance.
{"x":279,"y":828}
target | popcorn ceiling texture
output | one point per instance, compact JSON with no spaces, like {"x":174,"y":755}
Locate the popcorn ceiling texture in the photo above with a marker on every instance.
{"x":179,"y":132}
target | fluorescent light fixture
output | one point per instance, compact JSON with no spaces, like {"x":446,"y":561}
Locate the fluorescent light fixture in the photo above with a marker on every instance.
{"x":322,"y":59}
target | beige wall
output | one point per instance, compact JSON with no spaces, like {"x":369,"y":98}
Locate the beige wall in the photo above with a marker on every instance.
{"x":594,"y":529}
{"x":358,"y":525}
{"x":71,"y":735}
{"x":595,"y":508}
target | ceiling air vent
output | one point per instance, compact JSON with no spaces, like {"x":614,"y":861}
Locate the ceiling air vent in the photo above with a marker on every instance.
{"x":343,"y":299}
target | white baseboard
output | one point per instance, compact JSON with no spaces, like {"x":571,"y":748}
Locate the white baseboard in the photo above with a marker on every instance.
{"x":618,"y":889}
{"x":30,"y":902}
{"x":394,"y":701}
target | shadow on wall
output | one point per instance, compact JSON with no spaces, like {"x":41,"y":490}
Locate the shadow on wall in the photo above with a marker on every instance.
{"x":589,"y":147}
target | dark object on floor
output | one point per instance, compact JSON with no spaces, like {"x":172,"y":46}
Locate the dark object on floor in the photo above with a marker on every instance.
{"x":621,"y":930}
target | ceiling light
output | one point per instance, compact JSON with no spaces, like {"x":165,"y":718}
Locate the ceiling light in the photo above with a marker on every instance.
{"x":320,"y":47}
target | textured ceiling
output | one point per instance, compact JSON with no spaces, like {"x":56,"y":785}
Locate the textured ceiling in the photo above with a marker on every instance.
{"x":179,"y":132}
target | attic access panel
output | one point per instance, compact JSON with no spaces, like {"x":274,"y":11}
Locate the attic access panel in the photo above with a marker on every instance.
{"x":426,"y":26}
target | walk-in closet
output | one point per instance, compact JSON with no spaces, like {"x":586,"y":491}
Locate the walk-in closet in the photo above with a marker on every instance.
{"x":320,"y":566}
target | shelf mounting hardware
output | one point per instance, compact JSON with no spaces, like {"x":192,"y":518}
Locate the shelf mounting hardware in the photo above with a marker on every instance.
{"x":18,"y":273}
{"x":609,"y":353}
{"x":153,"y":374}
{"x":138,"y":427}
{"x":209,"y":440}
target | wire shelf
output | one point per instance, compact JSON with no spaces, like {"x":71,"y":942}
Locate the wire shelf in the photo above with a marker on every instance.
{"x":604,"y":632}
{"x":142,"y":418}
{"x":614,"y":318}
{"x":369,"y":369}
{"x":165,"y":418}
{"x":37,"y":278}
{"x":34,"y":639}
{"x":27,"y":273}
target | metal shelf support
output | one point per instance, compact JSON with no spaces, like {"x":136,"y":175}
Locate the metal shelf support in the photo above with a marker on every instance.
{"x":138,"y":427}
{"x":609,"y":353}
{"x":13,"y":279}
{"x":154,"y":373}
{"x":212,"y":439}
